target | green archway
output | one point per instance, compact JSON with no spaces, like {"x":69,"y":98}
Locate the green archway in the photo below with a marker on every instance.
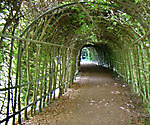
{"x":41,"y":55}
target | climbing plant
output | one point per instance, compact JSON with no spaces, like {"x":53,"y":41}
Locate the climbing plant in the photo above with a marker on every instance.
{"x":40,"y":42}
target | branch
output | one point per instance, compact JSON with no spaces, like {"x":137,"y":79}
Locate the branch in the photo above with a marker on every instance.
{"x":33,"y":41}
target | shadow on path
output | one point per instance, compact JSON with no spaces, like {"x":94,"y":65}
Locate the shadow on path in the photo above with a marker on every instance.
{"x":96,"y":100}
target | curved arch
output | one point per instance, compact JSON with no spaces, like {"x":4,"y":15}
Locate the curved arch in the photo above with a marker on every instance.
{"x":60,"y":7}
{"x":104,"y":54}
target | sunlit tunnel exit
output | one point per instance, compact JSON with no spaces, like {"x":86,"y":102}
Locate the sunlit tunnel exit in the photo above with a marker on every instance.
{"x":95,"y":55}
{"x":89,"y":56}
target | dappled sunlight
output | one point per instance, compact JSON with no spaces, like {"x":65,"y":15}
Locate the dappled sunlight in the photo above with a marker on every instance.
{"x":94,"y":99}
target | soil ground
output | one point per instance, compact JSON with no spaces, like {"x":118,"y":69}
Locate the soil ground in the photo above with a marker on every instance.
{"x":96,"y":99}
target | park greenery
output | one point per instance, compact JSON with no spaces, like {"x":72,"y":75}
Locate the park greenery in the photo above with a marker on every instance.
{"x":40,"y":43}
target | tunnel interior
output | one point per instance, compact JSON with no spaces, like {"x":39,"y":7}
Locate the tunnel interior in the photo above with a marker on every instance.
{"x":43,"y":52}
{"x":99,"y":55}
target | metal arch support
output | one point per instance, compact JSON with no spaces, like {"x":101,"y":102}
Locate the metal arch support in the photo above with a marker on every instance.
{"x":60,"y":7}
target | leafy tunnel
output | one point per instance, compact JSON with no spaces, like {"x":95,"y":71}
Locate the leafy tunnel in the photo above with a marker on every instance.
{"x":40,"y":48}
{"x":100,"y":53}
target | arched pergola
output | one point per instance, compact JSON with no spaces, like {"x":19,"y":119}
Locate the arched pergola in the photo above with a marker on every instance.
{"x":45,"y":55}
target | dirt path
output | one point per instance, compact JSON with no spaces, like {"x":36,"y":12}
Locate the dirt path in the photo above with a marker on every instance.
{"x":99,"y":100}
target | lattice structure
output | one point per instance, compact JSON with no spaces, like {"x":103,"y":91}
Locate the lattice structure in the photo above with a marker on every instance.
{"x":40,"y":57}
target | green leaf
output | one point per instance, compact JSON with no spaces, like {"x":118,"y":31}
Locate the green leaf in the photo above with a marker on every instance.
{"x":114,"y":23}
{"x":136,"y":1}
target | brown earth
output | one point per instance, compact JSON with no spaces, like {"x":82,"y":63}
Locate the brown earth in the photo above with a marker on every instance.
{"x":96,"y":99}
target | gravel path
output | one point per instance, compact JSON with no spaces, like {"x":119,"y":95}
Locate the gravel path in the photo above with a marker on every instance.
{"x":99,"y":100}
